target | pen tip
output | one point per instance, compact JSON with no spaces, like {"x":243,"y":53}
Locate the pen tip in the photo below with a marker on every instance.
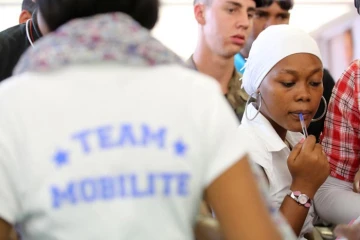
{"x":301,"y":117}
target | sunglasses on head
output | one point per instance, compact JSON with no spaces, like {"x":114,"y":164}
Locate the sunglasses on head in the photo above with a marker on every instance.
{"x":284,"y":4}
{"x":357,"y":5}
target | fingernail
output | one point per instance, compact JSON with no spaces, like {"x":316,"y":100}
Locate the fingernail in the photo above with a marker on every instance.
{"x":302,"y":140}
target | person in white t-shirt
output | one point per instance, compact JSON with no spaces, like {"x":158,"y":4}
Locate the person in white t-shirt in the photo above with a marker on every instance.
{"x":284,"y":74}
{"x":104,"y":135}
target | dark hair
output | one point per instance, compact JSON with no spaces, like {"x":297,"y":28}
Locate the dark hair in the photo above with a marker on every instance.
{"x":58,"y":12}
{"x":284,"y":4}
{"x":28,"y":5}
{"x":357,"y":5}
{"x":259,"y":3}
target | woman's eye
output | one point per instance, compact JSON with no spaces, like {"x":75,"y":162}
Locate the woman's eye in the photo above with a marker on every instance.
{"x":288,"y":84}
{"x":315,"y":84}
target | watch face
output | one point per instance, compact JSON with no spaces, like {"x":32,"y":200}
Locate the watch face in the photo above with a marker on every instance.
{"x":303,"y":199}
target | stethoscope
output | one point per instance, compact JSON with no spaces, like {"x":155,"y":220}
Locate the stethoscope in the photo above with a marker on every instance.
{"x":28,"y":34}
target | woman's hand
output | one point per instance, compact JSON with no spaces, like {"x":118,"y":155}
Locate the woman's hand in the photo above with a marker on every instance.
{"x":308,"y":166}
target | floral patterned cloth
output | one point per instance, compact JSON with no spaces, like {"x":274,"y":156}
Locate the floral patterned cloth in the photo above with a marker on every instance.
{"x":114,"y":37}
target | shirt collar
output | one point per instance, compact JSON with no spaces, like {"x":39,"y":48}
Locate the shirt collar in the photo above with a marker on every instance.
{"x":267,"y":133}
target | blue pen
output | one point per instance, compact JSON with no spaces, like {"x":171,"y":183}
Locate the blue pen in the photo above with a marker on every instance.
{"x":303,"y":126}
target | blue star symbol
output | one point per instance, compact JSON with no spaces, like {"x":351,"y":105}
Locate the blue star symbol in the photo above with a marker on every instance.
{"x":180,"y":148}
{"x":61,"y":158}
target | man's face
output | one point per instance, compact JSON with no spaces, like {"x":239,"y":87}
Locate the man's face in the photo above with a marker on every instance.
{"x":265,"y":17}
{"x":225,"y":26}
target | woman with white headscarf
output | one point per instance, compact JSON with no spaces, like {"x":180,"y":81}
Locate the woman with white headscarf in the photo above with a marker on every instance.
{"x":284,"y":75}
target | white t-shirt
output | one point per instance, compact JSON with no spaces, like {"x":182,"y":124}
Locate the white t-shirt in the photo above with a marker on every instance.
{"x":111,"y":152}
{"x":268,"y":150}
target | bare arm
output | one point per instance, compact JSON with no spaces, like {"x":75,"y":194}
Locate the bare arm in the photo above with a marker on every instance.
{"x":294,"y":213}
{"x":5,"y":230}
{"x":309,"y":169}
{"x":239,"y":206}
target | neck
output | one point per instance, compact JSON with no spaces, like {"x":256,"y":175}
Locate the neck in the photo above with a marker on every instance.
{"x":244,"y":53}
{"x":278,"y":129}
{"x":214,"y":65}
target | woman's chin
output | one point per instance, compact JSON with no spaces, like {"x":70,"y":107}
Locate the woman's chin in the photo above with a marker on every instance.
{"x":295,"y":129}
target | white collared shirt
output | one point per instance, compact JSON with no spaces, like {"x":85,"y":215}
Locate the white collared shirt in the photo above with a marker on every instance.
{"x":106,"y":151}
{"x":269,"y":151}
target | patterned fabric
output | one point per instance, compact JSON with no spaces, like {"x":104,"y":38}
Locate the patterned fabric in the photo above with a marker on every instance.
{"x":236,"y":95}
{"x":112,"y":37}
{"x":341,"y":135}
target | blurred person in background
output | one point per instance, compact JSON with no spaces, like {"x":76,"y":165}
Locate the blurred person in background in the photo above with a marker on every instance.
{"x":16,"y":40}
{"x":346,"y":201}
{"x":339,"y":197}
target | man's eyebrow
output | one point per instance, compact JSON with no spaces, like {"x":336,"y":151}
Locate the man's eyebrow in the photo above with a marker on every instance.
{"x":251,"y":9}
{"x":237,"y":4}
{"x":261,"y":11}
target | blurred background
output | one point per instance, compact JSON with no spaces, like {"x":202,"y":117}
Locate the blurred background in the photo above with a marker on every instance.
{"x":333,"y":23}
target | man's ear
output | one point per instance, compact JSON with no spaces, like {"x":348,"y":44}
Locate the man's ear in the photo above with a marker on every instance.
{"x":199,"y":12}
{"x":24,"y":16}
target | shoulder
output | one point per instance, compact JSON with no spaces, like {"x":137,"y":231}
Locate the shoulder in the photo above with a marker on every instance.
{"x":349,"y":81}
{"x":352,"y":72}
{"x":13,"y":43}
{"x":12,"y":85}
{"x":355,"y":65}
{"x":255,"y":143}
{"x":191,"y":78}
{"x":12,"y":34}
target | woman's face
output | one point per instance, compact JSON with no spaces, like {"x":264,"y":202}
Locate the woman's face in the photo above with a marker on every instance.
{"x":293,"y":86}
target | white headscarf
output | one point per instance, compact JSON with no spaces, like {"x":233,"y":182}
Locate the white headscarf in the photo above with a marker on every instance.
{"x":271,"y":46}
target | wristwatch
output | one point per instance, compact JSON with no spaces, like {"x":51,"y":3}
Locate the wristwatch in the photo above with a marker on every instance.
{"x":300,"y":198}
